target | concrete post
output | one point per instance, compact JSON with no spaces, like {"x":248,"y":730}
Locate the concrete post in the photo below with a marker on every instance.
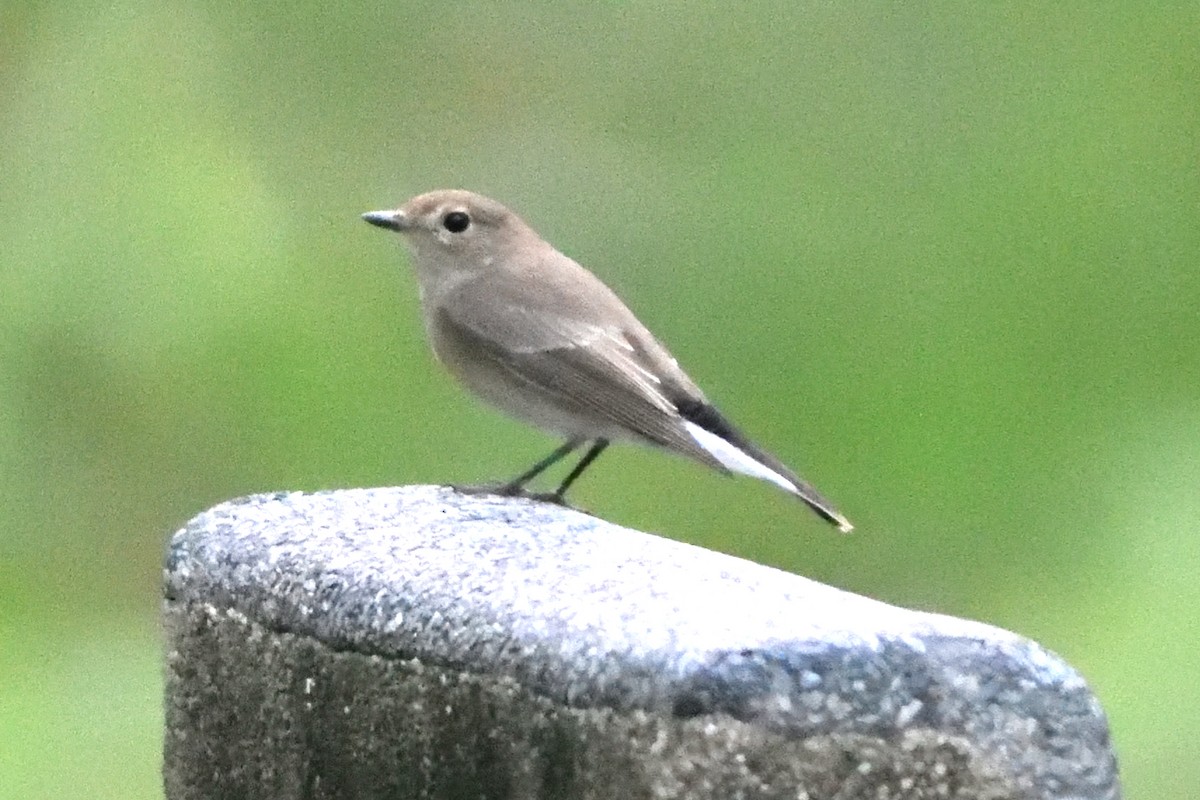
{"x":419,"y":643}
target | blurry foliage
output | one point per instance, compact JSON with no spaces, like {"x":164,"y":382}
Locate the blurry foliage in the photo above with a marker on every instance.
{"x":942,"y":259}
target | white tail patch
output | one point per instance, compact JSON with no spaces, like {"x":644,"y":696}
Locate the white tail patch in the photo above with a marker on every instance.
{"x":736,"y":460}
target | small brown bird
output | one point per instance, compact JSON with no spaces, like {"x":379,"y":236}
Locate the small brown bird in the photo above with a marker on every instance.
{"x":541,"y":338}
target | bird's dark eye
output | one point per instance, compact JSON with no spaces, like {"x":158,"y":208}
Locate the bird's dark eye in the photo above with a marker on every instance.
{"x":456,"y":221}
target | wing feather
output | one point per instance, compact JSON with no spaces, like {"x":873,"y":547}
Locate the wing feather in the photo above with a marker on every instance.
{"x":607,"y":372}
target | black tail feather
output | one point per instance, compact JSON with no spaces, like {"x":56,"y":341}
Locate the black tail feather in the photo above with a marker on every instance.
{"x":706,"y":416}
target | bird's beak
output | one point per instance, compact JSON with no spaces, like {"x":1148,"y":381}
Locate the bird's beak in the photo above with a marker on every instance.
{"x":392,"y":220}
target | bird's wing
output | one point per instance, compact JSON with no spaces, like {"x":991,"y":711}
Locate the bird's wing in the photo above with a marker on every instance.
{"x":595,"y":362}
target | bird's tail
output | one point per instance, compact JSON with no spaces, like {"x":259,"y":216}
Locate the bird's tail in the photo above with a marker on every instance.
{"x":717,"y":436}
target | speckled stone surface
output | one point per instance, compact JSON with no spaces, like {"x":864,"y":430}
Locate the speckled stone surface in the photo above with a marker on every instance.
{"x":416,"y":642}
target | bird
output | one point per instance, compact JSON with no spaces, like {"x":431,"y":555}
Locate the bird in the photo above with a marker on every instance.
{"x":536,"y":335}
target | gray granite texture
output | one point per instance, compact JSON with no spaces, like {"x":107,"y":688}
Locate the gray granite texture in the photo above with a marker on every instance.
{"x":420,"y":643}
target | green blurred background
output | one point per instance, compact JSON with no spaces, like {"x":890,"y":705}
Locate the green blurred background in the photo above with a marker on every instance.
{"x":944,"y":260}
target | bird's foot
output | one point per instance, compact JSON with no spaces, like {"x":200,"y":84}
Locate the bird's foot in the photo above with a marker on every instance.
{"x":511,"y":490}
{"x":548,"y":497}
{"x":498,"y":489}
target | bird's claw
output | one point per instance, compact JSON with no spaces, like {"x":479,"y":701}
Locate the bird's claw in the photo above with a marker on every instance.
{"x":509,"y":490}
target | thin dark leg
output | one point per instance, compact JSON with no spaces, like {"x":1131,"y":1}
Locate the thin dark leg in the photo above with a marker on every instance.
{"x":583,"y":464}
{"x":516,"y":485}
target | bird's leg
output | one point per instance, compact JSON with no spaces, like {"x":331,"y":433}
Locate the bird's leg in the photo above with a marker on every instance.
{"x":558,"y":496}
{"x":516,"y":487}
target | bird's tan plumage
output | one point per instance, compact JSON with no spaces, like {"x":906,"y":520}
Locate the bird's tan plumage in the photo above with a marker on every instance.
{"x":540,"y":337}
